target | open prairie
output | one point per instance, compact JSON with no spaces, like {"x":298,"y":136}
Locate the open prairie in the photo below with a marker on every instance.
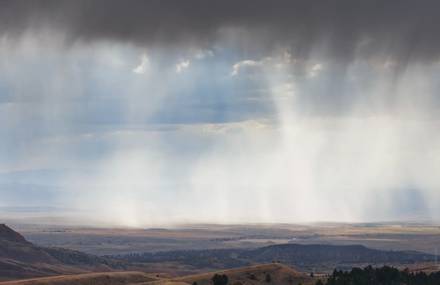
{"x":102,"y":241}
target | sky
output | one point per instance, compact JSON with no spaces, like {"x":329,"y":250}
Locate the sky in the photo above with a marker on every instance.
{"x":145,"y":113}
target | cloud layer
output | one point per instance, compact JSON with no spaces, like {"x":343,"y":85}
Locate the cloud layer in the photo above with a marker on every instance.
{"x":401,"y":30}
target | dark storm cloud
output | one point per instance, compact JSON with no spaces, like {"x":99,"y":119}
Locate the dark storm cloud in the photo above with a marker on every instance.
{"x":401,"y":29}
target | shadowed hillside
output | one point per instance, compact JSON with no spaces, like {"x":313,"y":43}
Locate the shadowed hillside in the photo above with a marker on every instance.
{"x":8,"y":234}
{"x":22,"y":259}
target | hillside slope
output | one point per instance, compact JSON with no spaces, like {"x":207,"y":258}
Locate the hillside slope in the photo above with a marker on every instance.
{"x":103,"y":278}
{"x":267,"y":274}
{"x":22,"y":259}
{"x":274,"y":273}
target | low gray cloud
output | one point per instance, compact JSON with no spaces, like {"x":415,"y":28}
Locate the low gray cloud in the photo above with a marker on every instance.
{"x":402,"y":30}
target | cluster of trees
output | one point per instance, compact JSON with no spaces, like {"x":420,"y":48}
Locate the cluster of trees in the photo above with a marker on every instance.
{"x":220,"y":279}
{"x":385,"y":275}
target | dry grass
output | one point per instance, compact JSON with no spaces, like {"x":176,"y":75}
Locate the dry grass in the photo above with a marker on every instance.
{"x":252,"y":275}
{"x":106,"y":278}
{"x":279,"y":275}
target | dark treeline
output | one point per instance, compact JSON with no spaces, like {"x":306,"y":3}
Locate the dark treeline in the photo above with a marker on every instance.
{"x":381,"y":276}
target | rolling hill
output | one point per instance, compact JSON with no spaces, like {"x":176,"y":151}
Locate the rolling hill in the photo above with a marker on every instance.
{"x":273,"y":273}
{"x":101,"y":278}
{"x":22,"y":259}
{"x":267,"y":274}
